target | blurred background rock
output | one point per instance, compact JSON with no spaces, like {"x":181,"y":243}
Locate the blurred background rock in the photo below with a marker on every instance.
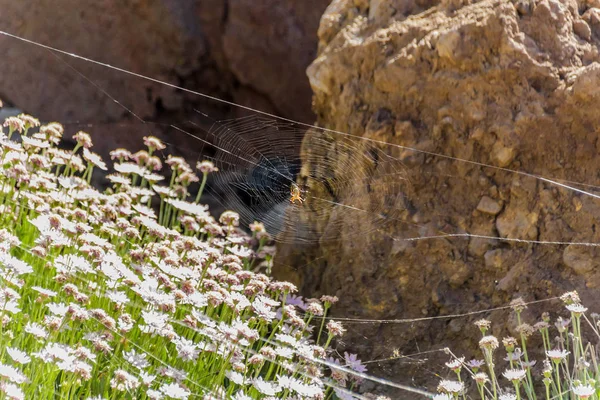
{"x":251,"y":52}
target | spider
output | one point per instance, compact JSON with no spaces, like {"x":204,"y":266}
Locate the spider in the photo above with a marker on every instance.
{"x":296,"y":194}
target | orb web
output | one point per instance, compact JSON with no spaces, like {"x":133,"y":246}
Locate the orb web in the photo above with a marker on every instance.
{"x":261,"y":161}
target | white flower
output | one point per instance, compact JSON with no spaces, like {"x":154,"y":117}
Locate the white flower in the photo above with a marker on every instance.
{"x":268,"y":388}
{"x":186,"y":349}
{"x":164,"y":191}
{"x":456,"y":363}
{"x":262,"y":306}
{"x":119,"y":179}
{"x":584,"y":391}
{"x":14,"y":265}
{"x":12,"y":374}
{"x":240,"y":251}
{"x":44,"y":291}
{"x":199,"y":210}
{"x":241,"y":396}
{"x":507,"y":396}
{"x":576,"y":308}
{"x":199,"y":300}
{"x":557,"y":355}
{"x":58,"y":309}
{"x":235,"y":377}
{"x":36,"y":330}
{"x":71,"y":263}
{"x":41,"y":144}
{"x":118,"y":297}
{"x":124,"y":381}
{"x":94,"y":159}
{"x":137,"y":360}
{"x":155,"y":319}
{"x":174,"y":391}
{"x":154,"y":394}
{"x":515,"y":374}
{"x":448,"y":386}
{"x":12,"y":391}
{"x":130,"y":168}
{"x":285,"y":352}
{"x":18,"y":356}
{"x":146,"y":378}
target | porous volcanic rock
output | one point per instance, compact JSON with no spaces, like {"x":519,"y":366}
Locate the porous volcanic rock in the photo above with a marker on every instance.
{"x":226,"y":48}
{"x":509,"y":84}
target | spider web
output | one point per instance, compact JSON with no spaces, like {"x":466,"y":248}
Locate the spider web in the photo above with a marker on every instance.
{"x":260,"y":158}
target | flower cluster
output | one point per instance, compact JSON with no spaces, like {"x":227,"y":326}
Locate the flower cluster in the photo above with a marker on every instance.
{"x":136,"y":292}
{"x":561,"y":378}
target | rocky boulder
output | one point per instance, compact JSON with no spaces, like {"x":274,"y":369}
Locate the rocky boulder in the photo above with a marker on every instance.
{"x":503,"y":86}
{"x":230,"y":49}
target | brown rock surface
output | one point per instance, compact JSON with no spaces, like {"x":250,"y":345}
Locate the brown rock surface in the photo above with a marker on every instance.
{"x":511,"y":84}
{"x":227,"y":48}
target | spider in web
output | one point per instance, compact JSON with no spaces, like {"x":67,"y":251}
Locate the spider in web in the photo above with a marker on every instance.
{"x":296,"y":194}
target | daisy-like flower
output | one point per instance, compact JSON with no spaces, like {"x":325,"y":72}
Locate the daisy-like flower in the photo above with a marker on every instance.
{"x":473,"y":364}
{"x":12,"y":374}
{"x":83,"y":139}
{"x":451,"y":387}
{"x":584,"y":391}
{"x":230,"y":218}
{"x":124,"y":381}
{"x":175,"y":391}
{"x":456,"y":364}
{"x":29,"y":121}
{"x":186,"y":349}
{"x":120,"y":154}
{"x":489,"y":343}
{"x":335,"y":328}
{"x":483,"y":325}
{"x":58,"y":309}
{"x":576,"y":308}
{"x":154,"y":143}
{"x":557,"y":355}
{"x":14,"y":124}
{"x":44,"y":292}
{"x":266,"y":388}
{"x":117,"y":297}
{"x":515,"y":375}
{"x":18,"y":356}
{"x":130,"y":168}
{"x":206,"y":167}
{"x":190,"y":208}
{"x":164,"y":191}
{"x":135,"y":359}
{"x":29,"y":142}
{"x":119,"y":179}
{"x":12,"y":391}
{"x":36,"y":330}
{"x":354,"y":363}
{"x":481,"y":378}
{"x":241,"y":396}
{"x":155,"y":321}
{"x":235,"y":377}
{"x":146,"y":378}
{"x":154,"y":394}
{"x":94,"y":158}
{"x":570,"y":298}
